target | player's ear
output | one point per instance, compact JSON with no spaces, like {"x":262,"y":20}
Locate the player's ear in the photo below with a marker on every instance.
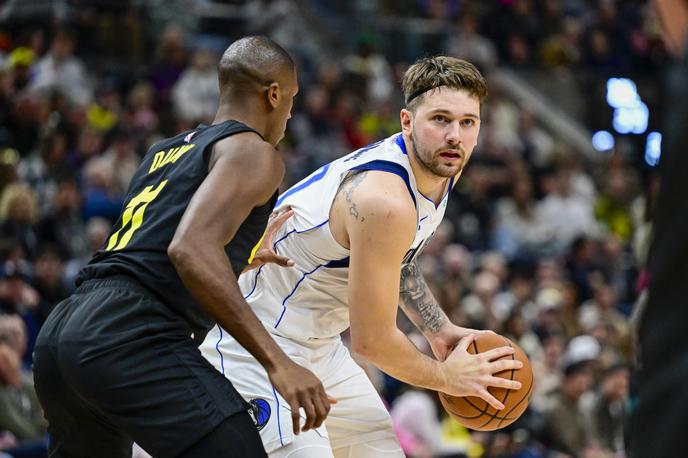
{"x":273,"y":94}
{"x":406,"y":116}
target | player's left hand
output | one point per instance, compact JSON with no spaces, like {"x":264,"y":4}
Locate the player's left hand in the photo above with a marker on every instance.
{"x":444,"y":341}
{"x":266,"y":253}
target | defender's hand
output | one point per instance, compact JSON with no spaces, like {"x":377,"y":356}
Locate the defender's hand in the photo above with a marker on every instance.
{"x":470,"y":375}
{"x":301,"y":389}
{"x":265,"y":253}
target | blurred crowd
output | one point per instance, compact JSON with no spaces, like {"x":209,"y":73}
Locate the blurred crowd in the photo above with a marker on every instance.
{"x":538,"y":244}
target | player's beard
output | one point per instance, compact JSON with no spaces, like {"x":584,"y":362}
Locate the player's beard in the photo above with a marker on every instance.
{"x":432,"y":161}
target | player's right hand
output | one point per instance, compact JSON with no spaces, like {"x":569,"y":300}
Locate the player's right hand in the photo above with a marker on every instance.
{"x":465,"y":374}
{"x":301,"y":389}
{"x":265,"y":253}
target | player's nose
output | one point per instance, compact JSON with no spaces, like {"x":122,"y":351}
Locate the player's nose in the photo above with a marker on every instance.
{"x":453,"y":135}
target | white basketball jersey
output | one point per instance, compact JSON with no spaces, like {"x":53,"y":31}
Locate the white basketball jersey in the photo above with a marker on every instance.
{"x":309,"y":300}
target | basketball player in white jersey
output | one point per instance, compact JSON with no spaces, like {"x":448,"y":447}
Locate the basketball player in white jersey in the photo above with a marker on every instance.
{"x":359,"y":223}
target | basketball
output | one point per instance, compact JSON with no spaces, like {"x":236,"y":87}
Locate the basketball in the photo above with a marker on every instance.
{"x":475,"y":413}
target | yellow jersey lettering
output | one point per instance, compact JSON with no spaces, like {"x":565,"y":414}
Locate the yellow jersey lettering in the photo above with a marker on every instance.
{"x":156,"y":161}
{"x":133,"y":214}
{"x":163,"y":158}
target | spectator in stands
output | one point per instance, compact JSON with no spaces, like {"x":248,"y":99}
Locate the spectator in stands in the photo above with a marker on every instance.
{"x":13,"y":332}
{"x":89,"y":143}
{"x":103,"y":114}
{"x":484,"y":307}
{"x":195,"y":93}
{"x":121,"y":158}
{"x":97,"y":232}
{"x":610,"y":410}
{"x":170,"y":61}
{"x":517,"y":232}
{"x":48,"y":280}
{"x":62,"y":225}
{"x":20,"y":412}
{"x":101,"y":196}
{"x":564,"y":213}
{"x":566,"y":423}
{"x":63,"y":71}
{"x":612,"y":208}
{"x":370,"y":65}
{"x":9,"y":159}
{"x":468,"y":44}
{"x":547,"y":369}
{"x":141,"y":111}
{"x":18,"y":213}
{"x":42,"y":169}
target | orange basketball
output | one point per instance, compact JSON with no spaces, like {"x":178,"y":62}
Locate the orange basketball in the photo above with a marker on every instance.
{"x":475,"y":413}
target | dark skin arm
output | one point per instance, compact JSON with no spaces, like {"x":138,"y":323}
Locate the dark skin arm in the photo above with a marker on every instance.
{"x":217,"y":209}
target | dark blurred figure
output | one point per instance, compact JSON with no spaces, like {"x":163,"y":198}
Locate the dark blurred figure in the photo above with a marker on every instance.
{"x":21,"y":421}
{"x":658,"y":425}
{"x":62,"y":225}
{"x":566,"y":423}
{"x":609,"y":413}
{"x":17,"y":217}
{"x":49,"y":281}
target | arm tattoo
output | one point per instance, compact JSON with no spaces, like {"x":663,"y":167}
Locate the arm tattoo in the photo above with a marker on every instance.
{"x":347,"y":188}
{"x":417,"y":301}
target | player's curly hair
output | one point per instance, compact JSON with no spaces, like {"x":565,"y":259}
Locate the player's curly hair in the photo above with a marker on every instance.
{"x":432,"y":72}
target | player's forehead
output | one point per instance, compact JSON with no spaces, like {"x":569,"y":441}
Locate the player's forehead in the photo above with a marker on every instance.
{"x":455,"y":102}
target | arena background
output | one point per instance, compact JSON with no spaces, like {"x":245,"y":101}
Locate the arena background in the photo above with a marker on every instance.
{"x":546,"y":234}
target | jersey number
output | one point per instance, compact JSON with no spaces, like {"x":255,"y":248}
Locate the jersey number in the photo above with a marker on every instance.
{"x":133,"y":216}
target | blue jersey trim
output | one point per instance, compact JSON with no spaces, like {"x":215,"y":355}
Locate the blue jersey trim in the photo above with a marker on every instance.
{"x":217,"y":347}
{"x":314,"y":178}
{"x":279,"y":426}
{"x":274,"y":247}
{"x":391,"y":167}
{"x":344,"y":262}
{"x":284,"y":302}
{"x":428,"y":199}
{"x":400,"y":143}
{"x":421,"y":220}
{"x":255,"y":282}
{"x":356,"y":154}
{"x":449,"y":188}
{"x":337,"y":263}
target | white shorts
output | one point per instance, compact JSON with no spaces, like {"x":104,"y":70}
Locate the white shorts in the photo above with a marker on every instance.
{"x":358,"y":417}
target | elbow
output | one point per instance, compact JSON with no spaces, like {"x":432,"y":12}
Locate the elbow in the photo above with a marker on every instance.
{"x":365,"y":347}
{"x":179,"y":252}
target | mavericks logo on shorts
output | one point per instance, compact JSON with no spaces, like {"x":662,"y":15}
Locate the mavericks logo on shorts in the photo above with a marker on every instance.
{"x":260,"y":412}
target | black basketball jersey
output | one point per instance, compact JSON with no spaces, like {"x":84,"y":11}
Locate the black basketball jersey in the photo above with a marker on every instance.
{"x":162,"y":187}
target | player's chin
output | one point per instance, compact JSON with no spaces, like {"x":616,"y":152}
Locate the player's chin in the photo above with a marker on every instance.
{"x":447,"y":170}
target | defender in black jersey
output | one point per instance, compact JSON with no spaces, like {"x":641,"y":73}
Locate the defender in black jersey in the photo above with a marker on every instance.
{"x":117,"y":361}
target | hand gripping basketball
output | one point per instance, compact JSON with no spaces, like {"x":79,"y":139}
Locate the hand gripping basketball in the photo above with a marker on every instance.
{"x":493,"y":388}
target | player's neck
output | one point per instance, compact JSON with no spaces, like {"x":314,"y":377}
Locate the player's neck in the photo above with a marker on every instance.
{"x":256,"y":121}
{"x":428,"y":184}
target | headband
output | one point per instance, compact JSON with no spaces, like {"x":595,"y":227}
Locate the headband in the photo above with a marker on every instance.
{"x":420,"y":92}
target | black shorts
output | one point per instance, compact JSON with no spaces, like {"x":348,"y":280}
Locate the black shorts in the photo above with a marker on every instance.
{"x":112,"y":364}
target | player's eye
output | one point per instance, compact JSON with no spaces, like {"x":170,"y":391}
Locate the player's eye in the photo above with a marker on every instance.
{"x":440,"y":118}
{"x":469,"y":122}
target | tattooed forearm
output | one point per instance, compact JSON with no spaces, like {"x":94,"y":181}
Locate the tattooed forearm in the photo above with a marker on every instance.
{"x":347,"y":188}
{"x":417,"y":301}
